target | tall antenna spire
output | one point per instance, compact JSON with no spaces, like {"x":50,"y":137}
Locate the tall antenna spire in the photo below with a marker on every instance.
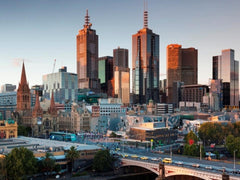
{"x":87,"y":18}
{"x":145,"y":16}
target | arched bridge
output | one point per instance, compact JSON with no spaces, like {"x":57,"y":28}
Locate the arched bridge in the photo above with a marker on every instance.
{"x":171,"y":170}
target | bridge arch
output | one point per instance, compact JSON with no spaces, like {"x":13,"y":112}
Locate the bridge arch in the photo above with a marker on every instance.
{"x":185,"y":174}
{"x":150,"y":168}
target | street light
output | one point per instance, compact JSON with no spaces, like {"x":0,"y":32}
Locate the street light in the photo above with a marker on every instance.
{"x":234,"y":159}
{"x":171,"y":151}
{"x":200,"y":144}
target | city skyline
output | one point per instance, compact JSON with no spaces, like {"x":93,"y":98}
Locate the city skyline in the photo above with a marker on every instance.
{"x":40,"y":32}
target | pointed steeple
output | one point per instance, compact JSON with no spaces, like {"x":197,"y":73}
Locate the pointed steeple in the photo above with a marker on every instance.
{"x":23,"y":76}
{"x":37,"y":111}
{"x":23,"y":93}
{"x":52,"y":109}
{"x":37,"y":103}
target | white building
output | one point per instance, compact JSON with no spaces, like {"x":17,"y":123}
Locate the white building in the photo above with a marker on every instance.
{"x":63,"y":84}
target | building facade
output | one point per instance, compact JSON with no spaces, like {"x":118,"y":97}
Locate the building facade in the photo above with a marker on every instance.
{"x":121,"y":75}
{"x":87,"y":57}
{"x":63,"y":85}
{"x":194,"y":93}
{"x":182,"y":66}
{"x":44,"y":119}
{"x":8,"y":88}
{"x":8,"y":128}
{"x":145,"y":65}
{"x":226,"y":68}
{"x":80,"y":118}
{"x":105,"y":74}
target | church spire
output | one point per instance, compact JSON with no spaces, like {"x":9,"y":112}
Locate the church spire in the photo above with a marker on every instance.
{"x":23,"y":76}
{"x":37,"y":111}
{"x":37,"y":103}
{"x":52,"y":109}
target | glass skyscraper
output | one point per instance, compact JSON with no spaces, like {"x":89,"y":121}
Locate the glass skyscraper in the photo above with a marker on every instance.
{"x":145,"y":65}
{"x":121,"y":75}
{"x":226,"y":68}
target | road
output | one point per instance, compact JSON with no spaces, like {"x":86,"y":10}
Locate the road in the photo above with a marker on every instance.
{"x":177,"y":160}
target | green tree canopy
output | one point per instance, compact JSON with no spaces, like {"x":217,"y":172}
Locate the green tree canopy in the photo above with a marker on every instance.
{"x":103,"y":161}
{"x":233,"y":144}
{"x":20,"y":162}
{"x":215,"y":132}
{"x":191,"y":136}
{"x":3,"y":169}
{"x":46,"y":164}
{"x":71,"y":155}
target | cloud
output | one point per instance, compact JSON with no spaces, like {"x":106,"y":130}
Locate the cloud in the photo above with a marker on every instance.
{"x":17,"y":62}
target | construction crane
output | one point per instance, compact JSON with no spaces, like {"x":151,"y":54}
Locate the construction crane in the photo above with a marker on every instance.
{"x":54,"y":65}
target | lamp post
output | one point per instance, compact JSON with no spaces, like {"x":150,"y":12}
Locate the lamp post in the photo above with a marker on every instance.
{"x":200,"y":149}
{"x":171,"y":151}
{"x":234,"y":159}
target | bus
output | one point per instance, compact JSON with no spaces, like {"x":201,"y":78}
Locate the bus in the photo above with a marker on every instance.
{"x":62,"y":136}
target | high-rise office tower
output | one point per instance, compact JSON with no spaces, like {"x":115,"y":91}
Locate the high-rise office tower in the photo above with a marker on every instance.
{"x":226,"y":68}
{"x":105,"y":74}
{"x":182,"y":66}
{"x":121,"y":75}
{"x":145,"y":65}
{"x":87,"y":57}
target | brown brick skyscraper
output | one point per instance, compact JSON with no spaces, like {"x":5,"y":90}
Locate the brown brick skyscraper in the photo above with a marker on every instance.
{"x":182,"y":66}
{"x":87,"y":57}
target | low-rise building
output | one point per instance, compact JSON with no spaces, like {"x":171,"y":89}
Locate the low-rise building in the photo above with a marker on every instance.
{"x":8,"y":128}
{"x":156,"y":131}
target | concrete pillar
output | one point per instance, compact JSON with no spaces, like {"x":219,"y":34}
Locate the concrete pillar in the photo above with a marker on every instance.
{"x":7,"y":134}
{"x":225,"y":177}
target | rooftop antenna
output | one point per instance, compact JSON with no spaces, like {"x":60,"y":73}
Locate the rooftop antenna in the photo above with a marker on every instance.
{"x":145,"y":15}
{"x":87,"y":18}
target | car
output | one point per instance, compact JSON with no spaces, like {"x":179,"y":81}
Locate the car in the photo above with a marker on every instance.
{"x":208,"y":167}
{"x":196,"y":165}
{"x":154,"y":159}
{"x":179,"y":162}
{"x":125,"y":155}
{"x":144,"y":158}
{"x":167,"y":160}
{"x":134,"y":156}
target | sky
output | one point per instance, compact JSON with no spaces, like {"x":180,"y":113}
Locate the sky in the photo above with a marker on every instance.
{"x":37,"y":32}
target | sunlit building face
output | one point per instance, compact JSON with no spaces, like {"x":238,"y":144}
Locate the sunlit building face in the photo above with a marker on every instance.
{"x":227,"y":69}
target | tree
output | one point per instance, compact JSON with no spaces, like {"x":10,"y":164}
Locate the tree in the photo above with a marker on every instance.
{"x":22,"y":131}
{"x":3,"y":169}
{"x":103,"y":161}
{"x":193,"y":150}
{"x":233,"y":144}
{"x":71,"y":155}
{"x":191,"y":137}
{"x":20,"y":162}
{"x":47,"y":164}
